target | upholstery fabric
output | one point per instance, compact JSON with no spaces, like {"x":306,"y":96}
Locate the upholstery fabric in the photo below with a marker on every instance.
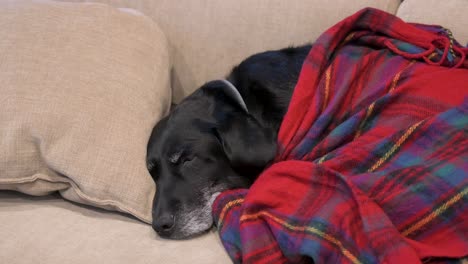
{"x":49,"y":230}
{"x":209,"y":37}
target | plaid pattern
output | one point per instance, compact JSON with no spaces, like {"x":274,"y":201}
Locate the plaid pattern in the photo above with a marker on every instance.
{"x":373,"y":163}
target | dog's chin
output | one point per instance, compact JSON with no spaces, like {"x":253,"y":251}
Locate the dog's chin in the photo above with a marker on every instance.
{"x":184,"y":234}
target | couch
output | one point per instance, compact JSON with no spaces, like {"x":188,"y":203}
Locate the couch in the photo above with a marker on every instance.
{"x":203,"y":39}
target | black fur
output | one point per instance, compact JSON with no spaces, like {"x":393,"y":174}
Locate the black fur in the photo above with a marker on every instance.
{"x":209,"y":143}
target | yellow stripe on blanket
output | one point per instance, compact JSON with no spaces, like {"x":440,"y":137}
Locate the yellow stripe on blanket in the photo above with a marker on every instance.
{"x":436,"y":213}
{"x":398,"y":144}
{"x":226,"y":208}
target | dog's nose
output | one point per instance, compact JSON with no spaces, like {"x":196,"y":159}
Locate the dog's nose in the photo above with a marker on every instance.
{"x":164,"y":223}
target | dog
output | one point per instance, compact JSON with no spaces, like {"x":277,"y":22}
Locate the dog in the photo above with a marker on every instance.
{"x":220,"y":137}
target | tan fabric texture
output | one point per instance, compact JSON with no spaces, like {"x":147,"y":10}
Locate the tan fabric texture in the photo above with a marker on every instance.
{"x":47,"y":230}
{"x":208,"y":37}
{"x":81,"y":87}
{"x":451,"y":14}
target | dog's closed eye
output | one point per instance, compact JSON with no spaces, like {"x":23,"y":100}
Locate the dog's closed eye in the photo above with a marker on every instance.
{"x":180,"y":158}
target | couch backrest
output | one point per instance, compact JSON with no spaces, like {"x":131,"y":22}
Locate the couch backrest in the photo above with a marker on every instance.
{"x":451,"y":14}
{"x":209,"y":37}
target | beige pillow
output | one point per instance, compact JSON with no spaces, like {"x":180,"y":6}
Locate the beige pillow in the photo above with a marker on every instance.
{"x":81,"y":86}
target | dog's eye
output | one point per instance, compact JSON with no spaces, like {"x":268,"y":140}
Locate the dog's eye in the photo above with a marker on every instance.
{"x":187,"y":160}
{"x":184,"y":160}
{"x":181,"y":158}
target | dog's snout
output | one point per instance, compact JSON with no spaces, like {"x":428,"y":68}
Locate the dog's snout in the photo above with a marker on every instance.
{"x":164,"y":223}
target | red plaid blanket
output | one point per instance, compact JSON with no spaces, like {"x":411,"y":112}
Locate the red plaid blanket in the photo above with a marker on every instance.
{"x":373,"y":163}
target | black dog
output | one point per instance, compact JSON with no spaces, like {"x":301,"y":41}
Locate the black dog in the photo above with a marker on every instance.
{"x":220,"y":137}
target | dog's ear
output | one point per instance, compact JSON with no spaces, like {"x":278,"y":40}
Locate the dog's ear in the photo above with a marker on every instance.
{"x":248,"y":146}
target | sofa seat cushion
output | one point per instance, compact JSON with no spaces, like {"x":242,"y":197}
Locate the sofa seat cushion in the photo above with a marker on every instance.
{"x":81,"y":87}
{"x":50,"y":230}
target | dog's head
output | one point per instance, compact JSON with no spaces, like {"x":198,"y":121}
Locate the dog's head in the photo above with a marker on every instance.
{"x":209,"y":143}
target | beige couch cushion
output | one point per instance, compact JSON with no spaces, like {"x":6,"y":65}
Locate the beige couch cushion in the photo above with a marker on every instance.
{"x":451,"y":14}
{"x":81,"y":87}
{"x":48,"y":230}
{"x":208,"y":37}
